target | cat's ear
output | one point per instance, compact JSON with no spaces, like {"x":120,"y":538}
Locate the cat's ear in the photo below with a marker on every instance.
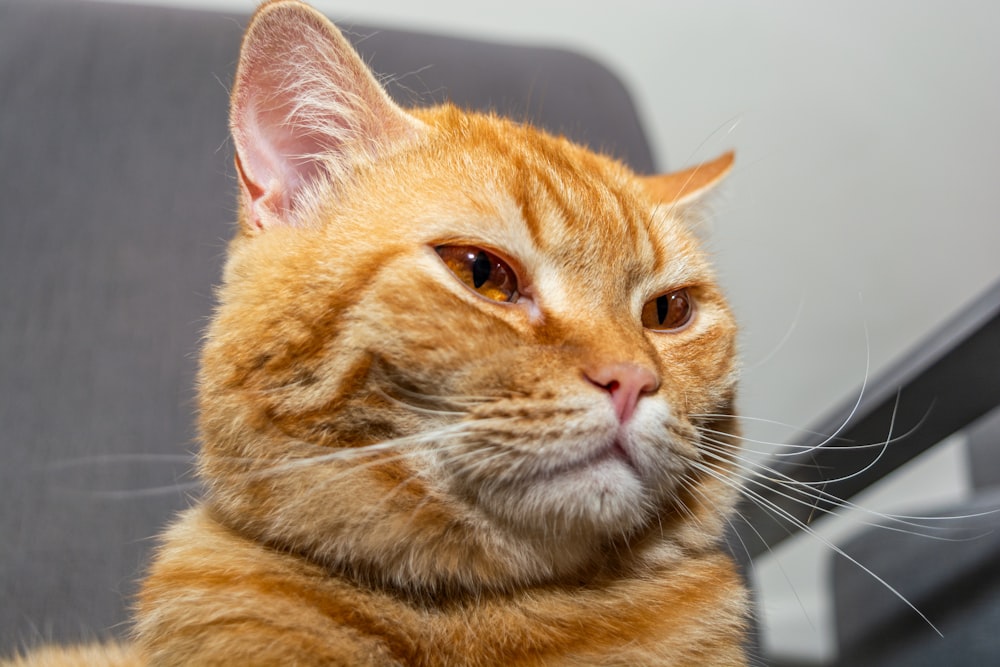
{"x":688,"y":185}
{"x":304,"y":106}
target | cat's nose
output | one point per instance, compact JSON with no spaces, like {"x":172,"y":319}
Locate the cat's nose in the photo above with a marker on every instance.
{"x":626,"y":383}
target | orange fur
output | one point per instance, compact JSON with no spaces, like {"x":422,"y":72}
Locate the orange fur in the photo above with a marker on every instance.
{"x":108,"y":655}
{"x":260,"y":606}
{"x":402,"y":471}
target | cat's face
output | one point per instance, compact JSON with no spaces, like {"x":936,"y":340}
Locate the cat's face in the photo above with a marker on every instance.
{"x":451,"y":350}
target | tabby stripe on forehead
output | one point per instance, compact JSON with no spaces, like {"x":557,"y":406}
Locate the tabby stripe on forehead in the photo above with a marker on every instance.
{"x":524,"y":196}
{"x":578,"y":195}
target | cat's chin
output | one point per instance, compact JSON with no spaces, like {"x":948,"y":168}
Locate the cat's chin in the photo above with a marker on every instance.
{"x":594,"y":499}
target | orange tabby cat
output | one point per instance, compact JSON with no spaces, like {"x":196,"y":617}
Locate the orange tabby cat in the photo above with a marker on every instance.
{"x":447,"y":397}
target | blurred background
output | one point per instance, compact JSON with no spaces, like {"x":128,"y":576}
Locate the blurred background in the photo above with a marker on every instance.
{"x":861,"y":215}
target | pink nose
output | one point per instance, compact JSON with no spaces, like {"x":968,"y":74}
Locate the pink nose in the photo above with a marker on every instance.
{"x":625,"y":382}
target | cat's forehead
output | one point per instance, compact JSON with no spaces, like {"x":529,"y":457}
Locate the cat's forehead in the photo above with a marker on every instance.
{"x":554,"y":206}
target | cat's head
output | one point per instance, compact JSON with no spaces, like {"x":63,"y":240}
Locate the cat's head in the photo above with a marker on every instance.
{"x":451,"y":350}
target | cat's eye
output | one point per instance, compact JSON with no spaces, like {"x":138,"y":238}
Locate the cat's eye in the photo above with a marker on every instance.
{"x":668,"y":312}
{"x":481,"y":271}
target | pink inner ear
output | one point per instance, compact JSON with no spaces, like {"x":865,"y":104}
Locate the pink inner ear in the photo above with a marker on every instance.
{"x":304,"y":103}
{"x":275,"y":159}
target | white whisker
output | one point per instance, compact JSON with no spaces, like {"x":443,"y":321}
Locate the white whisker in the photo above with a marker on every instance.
{"x":809,"y":497}
{"x":779,"y":512}
{"x":854,"y":409}
{"x":419,"y":409}
{"x":773,"y":422}
{"x":781,"y":568}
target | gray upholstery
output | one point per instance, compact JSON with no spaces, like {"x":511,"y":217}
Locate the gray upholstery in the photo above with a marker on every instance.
{"x":116,"y":200}
{"x":950,"y":572}
{"x":984,"y":451}
{"x":953,"y":578}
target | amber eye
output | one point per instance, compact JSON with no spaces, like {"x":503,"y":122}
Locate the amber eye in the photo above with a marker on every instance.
{"x":668,"y":312}
{"x":482,"y":271}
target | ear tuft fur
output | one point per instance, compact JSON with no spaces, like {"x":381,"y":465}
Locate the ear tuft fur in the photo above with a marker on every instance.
{"x":304,"y":106}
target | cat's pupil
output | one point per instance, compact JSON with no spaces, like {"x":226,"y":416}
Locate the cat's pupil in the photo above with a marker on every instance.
{"x":481,"y":269}
{"x":662,"y":307}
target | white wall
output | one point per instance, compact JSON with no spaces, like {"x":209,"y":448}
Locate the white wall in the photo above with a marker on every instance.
{"x":867,"y":136}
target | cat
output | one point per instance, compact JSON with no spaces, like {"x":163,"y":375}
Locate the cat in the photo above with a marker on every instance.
{"x":452,"y":397}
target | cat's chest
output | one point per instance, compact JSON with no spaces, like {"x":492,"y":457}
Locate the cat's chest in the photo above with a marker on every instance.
{"x":641,"y":620}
